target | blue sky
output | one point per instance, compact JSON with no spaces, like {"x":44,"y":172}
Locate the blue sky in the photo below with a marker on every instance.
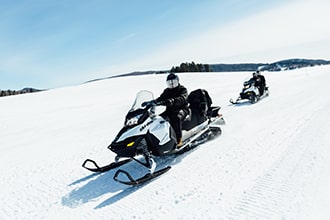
{"x":55,"y":43}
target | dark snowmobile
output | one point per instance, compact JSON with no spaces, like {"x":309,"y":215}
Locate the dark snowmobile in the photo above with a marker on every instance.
{"x":146,"y":135}
{"x":250,"y":92}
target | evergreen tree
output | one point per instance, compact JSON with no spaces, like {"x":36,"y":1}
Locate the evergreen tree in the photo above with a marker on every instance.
{"x":191,"y":67}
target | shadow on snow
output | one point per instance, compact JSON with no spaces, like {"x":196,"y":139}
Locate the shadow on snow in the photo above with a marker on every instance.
{"x":100,"y":184}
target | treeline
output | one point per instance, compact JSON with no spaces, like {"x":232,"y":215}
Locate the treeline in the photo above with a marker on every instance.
{"x":276,"y":66}
{"x":291,"y":64}
{"x":17,"y":92}
{"x":235,"y":67}
{"x":191,"y":67}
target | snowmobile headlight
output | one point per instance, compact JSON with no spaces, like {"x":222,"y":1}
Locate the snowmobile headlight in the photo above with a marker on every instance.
{"x":130,"y":144}
{"x":133,"y":121}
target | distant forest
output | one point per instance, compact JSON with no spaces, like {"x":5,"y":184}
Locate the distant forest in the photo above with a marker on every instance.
{"x":191,"y":67}
{"x":17,"y":92}
{"x":276,"y":66}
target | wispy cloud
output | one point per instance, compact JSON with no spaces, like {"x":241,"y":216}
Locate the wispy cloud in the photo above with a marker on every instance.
{"x":126,"y":38}
{"x":292,"y":24}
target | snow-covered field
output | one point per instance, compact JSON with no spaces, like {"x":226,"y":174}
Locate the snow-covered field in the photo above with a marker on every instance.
{"x":271,"y":162}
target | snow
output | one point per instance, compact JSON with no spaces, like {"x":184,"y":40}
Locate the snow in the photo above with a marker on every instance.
{"x":271,"y":161}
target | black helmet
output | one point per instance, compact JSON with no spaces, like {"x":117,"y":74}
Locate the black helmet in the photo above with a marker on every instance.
{"x":172,"y":80}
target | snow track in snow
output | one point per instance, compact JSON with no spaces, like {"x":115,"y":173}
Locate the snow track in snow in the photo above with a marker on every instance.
{"x":287,"y":183}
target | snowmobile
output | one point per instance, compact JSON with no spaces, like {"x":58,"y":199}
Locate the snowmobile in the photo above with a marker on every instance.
{"x":250,"y":92}
{"x":146,"y":135}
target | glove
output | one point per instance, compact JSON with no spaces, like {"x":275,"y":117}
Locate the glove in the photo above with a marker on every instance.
{"x":181,"y":115}
{"x":152,"y":102}
{"x":169,"y":102}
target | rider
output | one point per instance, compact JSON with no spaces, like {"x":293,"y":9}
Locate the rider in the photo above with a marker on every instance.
{"x":175,"y":98}
{"x":260,"y":81}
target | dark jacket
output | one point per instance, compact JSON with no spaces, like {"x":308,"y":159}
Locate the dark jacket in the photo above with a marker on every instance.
{"x":260,"y":81}
{"x":180,"y":96}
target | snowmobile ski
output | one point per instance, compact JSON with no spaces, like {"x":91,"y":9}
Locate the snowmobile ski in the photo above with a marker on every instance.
{"x":134,"y":182}
{"x":234,"y":102}
{"x":108,"y":167}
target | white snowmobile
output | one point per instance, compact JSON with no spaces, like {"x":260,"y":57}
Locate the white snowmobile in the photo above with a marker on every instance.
{"x":146,"y":135}
{"x":250,"y":92}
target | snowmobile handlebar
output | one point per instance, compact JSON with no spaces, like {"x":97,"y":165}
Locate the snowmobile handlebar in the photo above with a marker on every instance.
{"x":152,"y":103}
{"x":160,"y":103}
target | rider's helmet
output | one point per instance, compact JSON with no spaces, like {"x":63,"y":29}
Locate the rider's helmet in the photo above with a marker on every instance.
{"x":256,"y":73}
{"x":172,"y":80}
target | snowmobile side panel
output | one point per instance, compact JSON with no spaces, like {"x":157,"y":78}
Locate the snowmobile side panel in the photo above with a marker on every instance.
{"x":205,"y":135}
{"x":158,"y":128}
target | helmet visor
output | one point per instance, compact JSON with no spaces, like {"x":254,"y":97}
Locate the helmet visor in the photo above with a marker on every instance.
{"x":172,"y":83}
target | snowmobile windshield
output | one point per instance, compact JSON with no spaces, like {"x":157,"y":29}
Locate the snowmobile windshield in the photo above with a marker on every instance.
{"x":142,"y":96}
{"x":248,"y":84}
